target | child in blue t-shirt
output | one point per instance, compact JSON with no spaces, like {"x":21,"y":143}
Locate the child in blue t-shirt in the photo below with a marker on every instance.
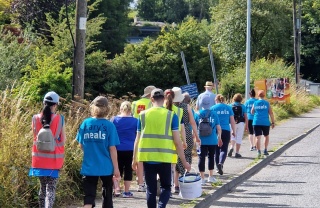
{"x":208,"y":143}
{"x":98,"y":139}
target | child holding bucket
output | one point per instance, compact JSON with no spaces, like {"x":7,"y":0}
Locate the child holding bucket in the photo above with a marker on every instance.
{"x":208,"y":143}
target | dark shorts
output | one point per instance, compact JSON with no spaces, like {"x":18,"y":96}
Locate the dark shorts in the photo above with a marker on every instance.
{"x":90,"y":189}
{"x":261,"y":130}
{"x":250,"y":127}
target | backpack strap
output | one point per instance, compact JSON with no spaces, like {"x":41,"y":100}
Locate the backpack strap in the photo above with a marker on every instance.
{"x":208,"y":113}
{"x":60,"y":125}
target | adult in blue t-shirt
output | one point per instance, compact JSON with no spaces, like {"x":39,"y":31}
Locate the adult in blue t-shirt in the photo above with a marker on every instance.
{"x":98,"y":138}
{"x":241,"y":124}
{"x":225,"y":114}
{"x":261,"y":111}
{"x":208,"y":143}
{"x":248,"y":104}
{"x":126,"y":126}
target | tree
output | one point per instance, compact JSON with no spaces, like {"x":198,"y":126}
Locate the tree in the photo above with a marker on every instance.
{"x":271,"y":30}
{"x":158,"y":61}
{"x":115,"y":29}
{"x":310,"y":46}
{"x":28,"y":12}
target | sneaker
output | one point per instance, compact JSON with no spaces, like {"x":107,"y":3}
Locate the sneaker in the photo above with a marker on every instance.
{"x":265,"y":152}
{"x":211,"y":179}
{"x":237,"y":155}
{"x":141,"y":188}
{"x":254,"y":148}
{"x":127,"y":194}
{"x":203,"y":181}
{"x":220,"y":171}
{"x":259,"y":153}
{"x":176,"y":189}
{"x":251,"y":148}
{"x":230,"y":152}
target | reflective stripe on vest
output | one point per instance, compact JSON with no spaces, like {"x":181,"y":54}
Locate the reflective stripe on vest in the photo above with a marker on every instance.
{"x":157,"y":146}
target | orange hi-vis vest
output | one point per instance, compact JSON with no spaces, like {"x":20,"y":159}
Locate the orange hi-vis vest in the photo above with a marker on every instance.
{"x":48,"y":160}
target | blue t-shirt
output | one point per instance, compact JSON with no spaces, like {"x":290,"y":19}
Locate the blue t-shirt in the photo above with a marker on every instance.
{"x":224,"y":112}
{"x":261,"y":113}
{"x":127,"y":130}
{"x":248,"y":104}
{"x":96,"y":135}
{"x":214,"y":120}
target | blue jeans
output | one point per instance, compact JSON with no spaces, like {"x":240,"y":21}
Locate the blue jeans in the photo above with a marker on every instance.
{"x":221,"y":152}
{"x":150,"y":172}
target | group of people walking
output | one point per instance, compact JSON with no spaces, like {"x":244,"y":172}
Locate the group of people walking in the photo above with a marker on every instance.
{"x":154,"y":136}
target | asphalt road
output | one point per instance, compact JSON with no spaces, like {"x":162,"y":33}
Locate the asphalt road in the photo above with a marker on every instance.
{"x":291,"y":180}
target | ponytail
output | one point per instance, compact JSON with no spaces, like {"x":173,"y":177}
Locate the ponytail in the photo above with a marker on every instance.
{"x":46,"y":113}
{"x":168,"y":99}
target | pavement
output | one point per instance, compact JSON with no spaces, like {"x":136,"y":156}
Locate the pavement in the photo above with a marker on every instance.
{"x":236,"y":170}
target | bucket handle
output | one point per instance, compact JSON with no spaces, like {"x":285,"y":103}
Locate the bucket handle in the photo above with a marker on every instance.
{"x":185,"y":172}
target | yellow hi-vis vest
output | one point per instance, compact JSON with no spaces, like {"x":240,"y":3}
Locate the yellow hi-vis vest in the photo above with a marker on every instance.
{"x":156,"y":141}
{"x":140,"y":105}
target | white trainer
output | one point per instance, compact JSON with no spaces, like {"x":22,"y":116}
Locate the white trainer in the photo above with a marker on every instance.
{"x":212,"y":179}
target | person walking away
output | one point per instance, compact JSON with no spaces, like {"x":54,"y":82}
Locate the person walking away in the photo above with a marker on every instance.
{"x":240,"y":117}
{"x":261,"y":111}
{"x":46,"y":165}
{"x":157,"y":137}
{"x":190,"y":125}
{"x":225,"y":115}
{"x":138,"y":106}
{"x":209,"y":141}
{"x":126,"y":126}
{"x":202,"y":98}
{"x":248,"y":104}
{"x":98,"y":138}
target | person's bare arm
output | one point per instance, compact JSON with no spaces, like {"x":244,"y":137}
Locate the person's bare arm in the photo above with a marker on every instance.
{"x":114,"y":158}
{"x":252,"y":109}
{"x":183,"y":136}
{"x":135,"y":152}
{"x":193,"y":124}
{"x":233,"y":126}
{"x":178,"y":144}
{"x":219,"y":131}
{"x":271,"y":116}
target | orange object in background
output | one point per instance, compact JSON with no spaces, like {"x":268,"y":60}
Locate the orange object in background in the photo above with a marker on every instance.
{"x":277,"y":90}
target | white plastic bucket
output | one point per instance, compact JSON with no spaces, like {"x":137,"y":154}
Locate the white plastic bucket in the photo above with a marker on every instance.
{"x":190,"y":186}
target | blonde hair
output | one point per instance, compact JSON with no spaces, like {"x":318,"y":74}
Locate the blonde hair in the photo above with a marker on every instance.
{"x":125,"y":107}
{"x":99,"y":112}
{"x":220,"y":98}
{"x":237,"y":98}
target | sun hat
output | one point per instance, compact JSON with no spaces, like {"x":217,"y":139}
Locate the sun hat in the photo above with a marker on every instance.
{"x":206,"y":102}
{"x":178,"y":97}
{"x":209,"y":84}
{"x":100,"y":101}
{"x":148,"y":90}
{"x":51,"y":97}
{"x":157,"y":93}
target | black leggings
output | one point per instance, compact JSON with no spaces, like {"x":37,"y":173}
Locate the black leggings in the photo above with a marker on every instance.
{"x":124,"y":163}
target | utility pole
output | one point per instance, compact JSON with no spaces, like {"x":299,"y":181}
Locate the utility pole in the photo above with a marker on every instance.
{"x":79,"y":53}
{"x":297,"y":37}
{"x":248,"y":49}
